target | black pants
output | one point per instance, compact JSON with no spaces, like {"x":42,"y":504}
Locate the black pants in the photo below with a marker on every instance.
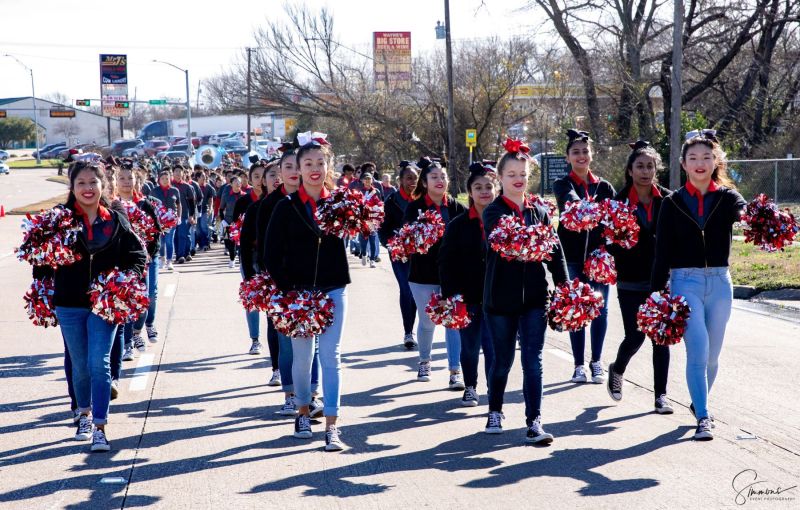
{"x":273,"y":343}
{"x":629,"y":302}
{"x":230,"y":247}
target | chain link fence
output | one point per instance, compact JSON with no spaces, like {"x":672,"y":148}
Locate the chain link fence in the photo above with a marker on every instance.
{"x":777,"y":178}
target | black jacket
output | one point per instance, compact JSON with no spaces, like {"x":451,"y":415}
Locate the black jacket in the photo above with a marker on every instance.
{"x":247,"y":240}
{"x":513,"y":287}
{"x":298,"y":255}
{"x":123,"y":250}
{"x":424,"y":268}
{"x":636,"y":264}
{"x":462,"y":259}
{"x":578,"y":245}
{"x":680,"y":242}
{"x":394,"y":209}
{"x":241,"y":205}
{"x":263,"y":216}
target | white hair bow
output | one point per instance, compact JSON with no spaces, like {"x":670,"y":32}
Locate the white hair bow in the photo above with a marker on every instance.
{"x":309,"y":137}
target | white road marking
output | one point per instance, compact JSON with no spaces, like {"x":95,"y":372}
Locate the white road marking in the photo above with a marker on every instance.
{"x":6,"y":255}
{"x":558,"y":353}
{"x":142,"y":372}
{"x":113,"y":479}
{"x":169,"y":291}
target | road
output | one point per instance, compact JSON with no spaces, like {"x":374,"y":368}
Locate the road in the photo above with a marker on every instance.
{"x":196,"y":425}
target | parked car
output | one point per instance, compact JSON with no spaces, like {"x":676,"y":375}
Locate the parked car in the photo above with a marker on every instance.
{"x":239,"y":136}
{"x":3,"y":167}
{"x":205,"y":139}
{"x":83,"y":147}
{"x":48,"y":147}
{"x":3,"y":155}
{"x":172,"y":155}
{"x":182,"y":147}
{"x":174,"y":139}
{"x":195,"y":142}
{"x":53,"y":152}
{"x":153,"y":147}
{"x":120,"y":145}
{"x":216,"y":138}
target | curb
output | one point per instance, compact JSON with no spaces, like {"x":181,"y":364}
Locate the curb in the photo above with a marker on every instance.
{"x":744,"y":291}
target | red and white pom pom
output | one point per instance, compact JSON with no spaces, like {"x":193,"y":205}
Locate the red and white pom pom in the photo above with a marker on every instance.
{"x":619,"y":224}
{"x":600,"y":267}
{"x":373,"y":214}
{"x":255,"y":293}
{"x":573,"y":306}
{"x":345,"y":213}
{"x":301,"y":313}
{"x":167,"y":218}
{"x":581,"y":215}
{"x":535,"y":199}
{"x":49,"y":238}
{"x":451,"y":312}
{"x":142,"y":224}
{"x":417,"y":237}
{"x":663,"y":318}
{"x":513,"y":240}
{"x":118,"y":296}
{"x":39,"y":303}
{"x":235,"y":231}
{"x":768,"y":227}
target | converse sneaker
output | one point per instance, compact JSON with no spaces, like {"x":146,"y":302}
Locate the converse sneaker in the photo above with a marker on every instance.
{"x":76,"y":417}
{"x":85,"y":428}
{"x":597,"y":372}
{"x":127,"y":354}
{"x":315,"y":408}
{"x":662,"y":405}
{"x":710,"y":416}
{"x":275,"y":380}
{"x":579,"y":376}
{"x":100,"y":441}
{"x":289,"y":407}
{"x":424,"y":372}
{"x":703,"y":432}
{"x":456,"y":382}
{"x":152,"y":334}
{"x":255,"y":348}
{"x":332,"y":441}
{"x":138,"y":342}
{"x":470,"y":397}
{"x":114,"y":389}
{"x":302,"y":427}
{"x":494,"y":424}
{"x":614,"y":384}
{"x":536,"y":433}
{"x":230,"y":264}
{"x":409,"y":342}
{"x":372,"y":264}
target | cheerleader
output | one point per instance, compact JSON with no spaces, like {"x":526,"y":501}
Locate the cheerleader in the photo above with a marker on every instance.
{"x":394,"y":208}
{"x":170,"y":197}
{"x":431,"y":194}
{"x":462,"y":266}
{"x":301,"y":256}
{"x":634,"y":267}
{"x":693,"y":243}
{"x":227,"y":206}
{"x":582,"y":184}
{"x":105,"y":242}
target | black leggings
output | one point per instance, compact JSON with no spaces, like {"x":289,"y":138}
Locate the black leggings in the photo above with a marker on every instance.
{"x":629,"y":302}
{"x":231,"y":248}
{"x":273,"y":343}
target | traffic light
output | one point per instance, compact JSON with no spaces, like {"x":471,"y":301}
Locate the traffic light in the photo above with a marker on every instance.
{"x":83,"y":102}
{"x":121,"y":104}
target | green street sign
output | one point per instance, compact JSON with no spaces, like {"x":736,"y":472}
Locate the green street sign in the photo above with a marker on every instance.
{"x":83,"y":102}
{"x":157,"y":101}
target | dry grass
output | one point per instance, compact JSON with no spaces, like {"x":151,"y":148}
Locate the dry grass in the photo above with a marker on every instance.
{"x":31,"y":163}
{"x":38,"y":206}
{"x":765,"y":271}
{"x":63,"y":179}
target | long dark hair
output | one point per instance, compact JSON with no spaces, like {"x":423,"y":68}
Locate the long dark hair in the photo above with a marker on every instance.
{"x":79,"y":167}
{"x":476,"y":171}
{"x":640,"y":148}
{"x":426,"y":166}
{"x":574,"y":136}
{"x":709,"y":139}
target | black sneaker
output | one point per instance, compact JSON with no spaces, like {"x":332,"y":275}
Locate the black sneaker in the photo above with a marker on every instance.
{"x":663,"y":407}
{"x":614,"y":384}
{"x":181,"y":260}
{"x":409,"y":342}
{"x":315,"y":408}
{"x":302,"y":427}
{"x":188,"y":258}
{"x":710,"y":416}
{"x":536,"y":433}
{"x":332,"y":441}
{"x":85,"y":428}
{"x":494,"y":424}
{"x":470,"y":397}
{"x":703,"y":432}
{"x":100,"y":441}
{"x":597,"y":372}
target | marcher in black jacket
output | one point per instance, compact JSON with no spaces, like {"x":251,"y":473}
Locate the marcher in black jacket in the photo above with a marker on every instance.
{"x":431,"y":194}
{"x":462,"y":269}
{"x":634,"y":267}
{"x":515,"y":298}
{"x":582,"y":184}
{"x":693,"y":242}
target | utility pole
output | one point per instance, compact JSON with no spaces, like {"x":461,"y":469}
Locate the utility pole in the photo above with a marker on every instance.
{"x":451,"y":133}
{"x":249,"y":95}
{"x":676,"y":98}
{"x":197,"y":104}
{"x":35,"y":109}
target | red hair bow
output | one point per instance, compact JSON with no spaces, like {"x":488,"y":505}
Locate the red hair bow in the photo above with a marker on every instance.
{"x":516,"y":146}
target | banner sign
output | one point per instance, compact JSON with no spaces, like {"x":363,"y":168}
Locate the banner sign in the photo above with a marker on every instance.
{"x":113,"y":84}
{"x":553,"y":167}
{"x":391,"y":53}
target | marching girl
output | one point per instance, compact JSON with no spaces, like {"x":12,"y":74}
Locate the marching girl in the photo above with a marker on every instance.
{"x":299,"y":255}
{"x":394,"y":208}
{"x":105,"y":242}
{"x":515,"y":299}
{"x":634,"y":267}
{"x":462,"y":266}
{"x":580,"y":184}
{"x":693,"y":242}
{"x":227,"y":206}
{"x":169,"y":196}
{"x":290,"y":183}
{"x":423,"y":279}
{"x":369,"y":243}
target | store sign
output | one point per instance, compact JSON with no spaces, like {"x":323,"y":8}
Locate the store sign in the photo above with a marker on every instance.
{"x":391,"y":52}
{"x":114,"y":84}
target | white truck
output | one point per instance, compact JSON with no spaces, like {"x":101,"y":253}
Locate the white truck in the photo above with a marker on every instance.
{"x":262,"y":126}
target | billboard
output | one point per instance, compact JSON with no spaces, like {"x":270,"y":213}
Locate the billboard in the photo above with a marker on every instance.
{"x":114,"y":84}
{"x":391,"y":53}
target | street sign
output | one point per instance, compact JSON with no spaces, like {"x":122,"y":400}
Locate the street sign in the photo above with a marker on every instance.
{"x":62,"y":114}
{"x":472,"y":137}
{"x":157,"y":101}
{"x":83,"y":102}
{"x":553,"y":168}
{"x":121,"y":104}
{"x":2,"y":114}
{"x":114,"y":85}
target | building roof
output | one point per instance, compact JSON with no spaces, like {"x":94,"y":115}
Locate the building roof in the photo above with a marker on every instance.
{"x":10,"y":100}
{"x":6,"y":100}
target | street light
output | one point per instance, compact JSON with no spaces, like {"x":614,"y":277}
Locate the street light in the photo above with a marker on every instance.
{"x":451,"y":133}
{"x":35,"y":113}
{"x":188,"y":106}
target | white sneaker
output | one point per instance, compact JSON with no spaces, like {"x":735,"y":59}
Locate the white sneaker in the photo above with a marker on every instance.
{"x":162,"y":262}
{"x":332,"y":441}
{"x":170,"y":267}
{"x":138,"y":342}
{"x":372,"y":264}
{"x":85,"y":428}
{"x":230,"y":264}
{"x":424,"y":372}
{"x":275,"y":380}
{"x":152,"y":334}
{"x":302,"y":427}
{"x":289,"y":407}
{"x":127,"y":355}
{"x":255,"y":348}
{"x":364,"y":260}
{"x":456,"y":381}
{"x":597,"y":372}
{"x":100,"y":441}
{"x":315,"y":408}
{"x":579,"y":375}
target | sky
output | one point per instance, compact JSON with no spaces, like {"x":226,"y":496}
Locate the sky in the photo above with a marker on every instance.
{"x":61,"y":39}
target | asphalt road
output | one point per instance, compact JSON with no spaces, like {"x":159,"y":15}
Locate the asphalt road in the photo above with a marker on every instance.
{"x":196,"y":425}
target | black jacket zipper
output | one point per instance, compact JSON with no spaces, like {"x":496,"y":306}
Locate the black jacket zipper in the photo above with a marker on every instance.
{"x":703,"y":228}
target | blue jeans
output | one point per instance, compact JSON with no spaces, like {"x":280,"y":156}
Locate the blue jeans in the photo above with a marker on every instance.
{"x":192,"y":237}
{"x":473,"y":338}
{"x":504,"y":328}
{"x":285,"y":363}
{"x":89,"y":339}
{"x":329,"y":359}
{"x":149,"y":317}
{"x":422,"y":294}
{"x":408,"y":309}
{"x":709,"y":293}
{"x":372,"y":240}
{"x":168,"y":244}
{"x":203,"y":240}
{"x":598,"y":326}
{"x":253,"y":318}
{"x":182,"y":239}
